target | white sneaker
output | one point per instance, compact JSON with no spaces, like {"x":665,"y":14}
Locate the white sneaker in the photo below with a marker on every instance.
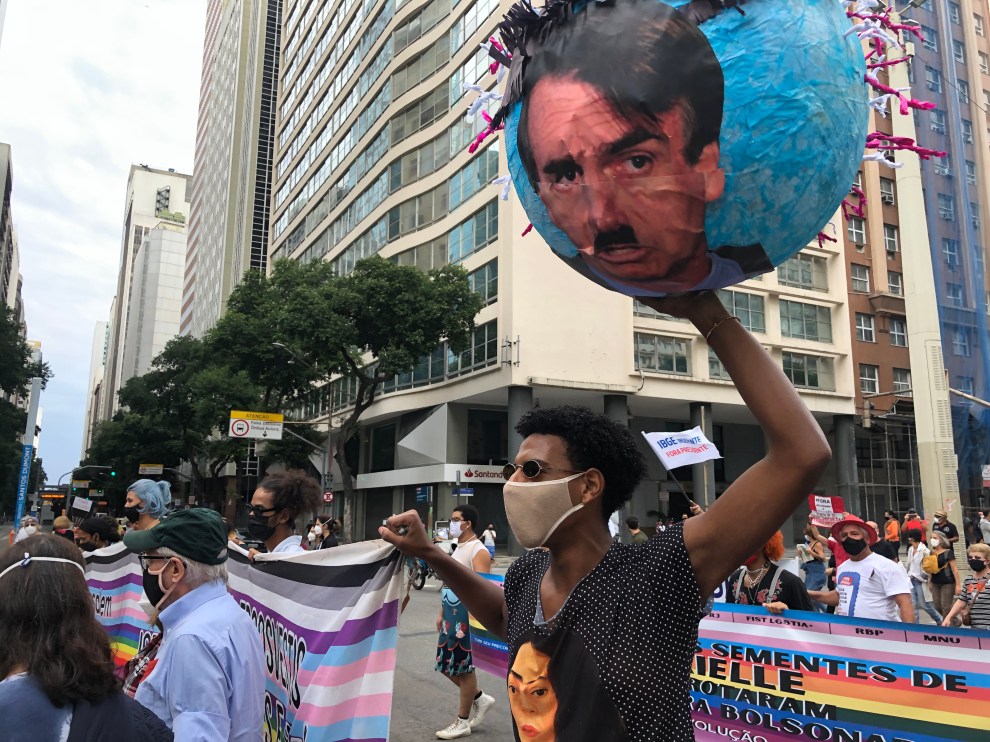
{"x":479,"y":708}
{"x":460,"y":728}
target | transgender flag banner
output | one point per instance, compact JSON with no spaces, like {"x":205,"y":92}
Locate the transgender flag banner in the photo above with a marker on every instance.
{"x":328,"y":623}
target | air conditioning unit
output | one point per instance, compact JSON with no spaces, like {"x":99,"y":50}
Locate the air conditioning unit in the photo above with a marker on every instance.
{"x":938,"y":128}
{"x":947,"y":214}
{"x":976,"y":222}
{"x":887,"y":198}
{"x":968,"y":138}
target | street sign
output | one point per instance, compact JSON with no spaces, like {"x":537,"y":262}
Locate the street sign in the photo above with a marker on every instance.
{"x":264,"y":425}
{"x":82,"y":484}
{"x":151,"y":468}
{"x":81,"y":503}
{"x":423,"y":494}
{"x":328,"y":497}
{"x":464,"y":491}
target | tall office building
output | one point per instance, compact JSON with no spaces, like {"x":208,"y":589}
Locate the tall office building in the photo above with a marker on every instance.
{"x":371,"y":159}
{"x":97,"y":363}
{"x":154,"y":198}
{"x":952,"y":68}
{"x":8,"y":238}
{"x":228,"y":231}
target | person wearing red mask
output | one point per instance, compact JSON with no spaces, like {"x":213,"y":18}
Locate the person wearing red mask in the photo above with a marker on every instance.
{"x":760,"y":581}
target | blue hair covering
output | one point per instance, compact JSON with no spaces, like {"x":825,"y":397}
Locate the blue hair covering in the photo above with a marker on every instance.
{"x":156,"y":496}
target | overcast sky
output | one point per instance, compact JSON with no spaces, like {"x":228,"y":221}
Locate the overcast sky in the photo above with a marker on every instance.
{"x":86,"y":89}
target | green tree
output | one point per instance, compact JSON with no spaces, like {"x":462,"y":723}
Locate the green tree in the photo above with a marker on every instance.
{"x":16,"y":372}
{"x":359,"y":329}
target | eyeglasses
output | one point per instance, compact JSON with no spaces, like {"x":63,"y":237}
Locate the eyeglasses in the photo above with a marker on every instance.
{"x":532,"y":469}
{"x":145,"y":558}
{"x":259,"y":511}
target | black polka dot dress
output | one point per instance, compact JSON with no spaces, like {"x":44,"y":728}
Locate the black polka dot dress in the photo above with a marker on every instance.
{"x":637,"y":615}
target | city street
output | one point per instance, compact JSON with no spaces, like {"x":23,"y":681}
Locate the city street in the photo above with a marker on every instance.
{"x":424,"y":700}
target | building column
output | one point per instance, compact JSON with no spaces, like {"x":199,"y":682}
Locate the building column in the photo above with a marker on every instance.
{"x":703,"y":474}
{"x":520,"y":402}
{"x":845,"y":463}
{"x":617,"y":410}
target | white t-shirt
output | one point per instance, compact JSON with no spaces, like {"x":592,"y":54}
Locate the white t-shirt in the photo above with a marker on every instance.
{"x":488,"y":537}
{"x":289,"y":545}
{"x":466,"y":552}
{"x":915,"y":555}
{"x":867,"y":588}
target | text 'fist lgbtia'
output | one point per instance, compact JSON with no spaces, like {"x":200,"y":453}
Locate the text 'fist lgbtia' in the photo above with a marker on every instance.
{"x":406,"y":532}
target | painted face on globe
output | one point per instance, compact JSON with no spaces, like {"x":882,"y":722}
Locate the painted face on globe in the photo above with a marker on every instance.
{"x":621,"y":189}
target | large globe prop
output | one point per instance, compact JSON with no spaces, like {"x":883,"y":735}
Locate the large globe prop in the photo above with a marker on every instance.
{"x":794,"y":123}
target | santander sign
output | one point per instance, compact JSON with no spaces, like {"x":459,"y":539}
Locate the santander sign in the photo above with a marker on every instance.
{"x":493,"y":472}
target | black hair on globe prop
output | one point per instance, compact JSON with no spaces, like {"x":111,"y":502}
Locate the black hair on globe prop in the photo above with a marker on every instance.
{"x":663,"y":147}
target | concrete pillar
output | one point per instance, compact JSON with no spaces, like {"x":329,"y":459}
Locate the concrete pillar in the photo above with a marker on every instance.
{"x":520,"y":402}
{"x":617,"y":409}
{"x":845,"y":463}
{"x":703,"y":474}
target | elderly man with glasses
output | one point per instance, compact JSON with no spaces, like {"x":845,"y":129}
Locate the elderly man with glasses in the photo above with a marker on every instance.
{"x":632,"y":612}
{"x":207,"y":681}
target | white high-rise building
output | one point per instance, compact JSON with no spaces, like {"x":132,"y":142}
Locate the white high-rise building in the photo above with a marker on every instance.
{"x":372,"y":159}
{"x":154,"y":198}
{"x":228,"y":229}
{"x":97,"y":361}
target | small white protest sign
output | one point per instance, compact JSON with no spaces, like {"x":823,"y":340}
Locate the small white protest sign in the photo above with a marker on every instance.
{"x":683,"y":448}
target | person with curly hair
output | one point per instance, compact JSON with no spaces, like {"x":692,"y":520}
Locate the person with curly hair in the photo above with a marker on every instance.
{"x":761,"y":581}
{"x":275,"y":505}
{"x":56,"y":670}
{"x":147,"y":503}
{"x":95,"y":533}
{"x":636,"y":608}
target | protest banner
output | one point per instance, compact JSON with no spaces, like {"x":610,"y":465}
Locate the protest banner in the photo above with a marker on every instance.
{"x":114,"y":577}
{"x":328,"y":622}
{"x":826,"y":510}
{"x":683,"y":448}
{"x":764,"y":678}
{"x":761,"y":677}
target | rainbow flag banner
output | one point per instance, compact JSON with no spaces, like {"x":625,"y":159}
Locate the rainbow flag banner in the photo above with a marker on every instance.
{"x":765,"y":678}
{"x":328,"y":623}
{"x":489,"y":652}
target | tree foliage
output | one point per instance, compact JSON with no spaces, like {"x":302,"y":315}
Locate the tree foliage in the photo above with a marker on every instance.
{"x":362,"y":328}
{"x":16,"y":372}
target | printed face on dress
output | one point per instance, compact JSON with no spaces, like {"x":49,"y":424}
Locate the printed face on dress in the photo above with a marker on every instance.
{"x":532,"y":699}
{"x":623,"y":190}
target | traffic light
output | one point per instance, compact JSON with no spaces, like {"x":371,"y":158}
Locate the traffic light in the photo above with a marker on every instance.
{"x":113,"y":473}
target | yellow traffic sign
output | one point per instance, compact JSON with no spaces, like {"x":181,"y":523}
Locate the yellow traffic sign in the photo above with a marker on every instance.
{"x":271,"y":417}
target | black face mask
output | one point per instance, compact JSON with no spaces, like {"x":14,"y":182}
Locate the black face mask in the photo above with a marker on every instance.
{"x":258,"y":528}
{"x":88,"y":546}
{"x":132,"y":514}
{"x":152,"y":587}
{"x":977,"y":565}
{"x":853,"y":546}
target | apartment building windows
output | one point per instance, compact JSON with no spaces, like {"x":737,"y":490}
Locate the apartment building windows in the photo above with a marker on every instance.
{"x":950,"y":251}
{"x":484,"y":281}
{"x":890,"y":239}
{"x":715,"y":368}
{"x":974,"y":211}
{"x":805,"y":321}
{"x":642,"y":310}
{"x":960,"y":343}
{"x":895,"y":283}
{"x":958,"y":51}
{"x":865,"y":328}
{"x":930,"y":38}
{"x":965,"y":384}
{"x":856,"y":229}
{"x":946,"y":207}
{"x":954,"y":294}
{"x":661,"y":353}
{"x":963,"y":91}
{"x":860,"y":278}
{"x":984,"y":63}
{"x":748,"y":307}
{"x":970,"y":172}
{"x":902,"y":381}
{"x":869,"y":378}
{"x":933,"y":80}
{"x":809,"y":372}
{"x":474,"y":233}
{"x":967,"y":129}
{"x":887,"y":191}
{"x":804,"y":271}
{"x":898,"y":332}
{"x":943,"y":165}
{"x":978,"y":23}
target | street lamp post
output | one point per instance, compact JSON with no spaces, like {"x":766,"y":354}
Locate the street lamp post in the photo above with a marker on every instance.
{"x":326,"y":389}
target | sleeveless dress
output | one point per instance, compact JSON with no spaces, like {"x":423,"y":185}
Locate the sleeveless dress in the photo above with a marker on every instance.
{"x":454,"y":641}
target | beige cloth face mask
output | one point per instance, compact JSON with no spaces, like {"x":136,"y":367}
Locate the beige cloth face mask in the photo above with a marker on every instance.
{"x":536,"y":509}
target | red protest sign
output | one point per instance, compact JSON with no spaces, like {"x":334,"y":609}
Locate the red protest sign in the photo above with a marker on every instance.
{"x":826,"y":510}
